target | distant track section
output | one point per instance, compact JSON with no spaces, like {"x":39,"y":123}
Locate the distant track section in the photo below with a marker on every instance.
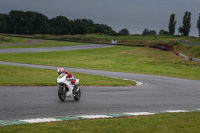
{"x":189,"y":43}
{"x":48,"y":49}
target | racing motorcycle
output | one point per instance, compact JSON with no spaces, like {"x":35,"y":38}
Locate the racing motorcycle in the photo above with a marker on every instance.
{"x":64,"y":85}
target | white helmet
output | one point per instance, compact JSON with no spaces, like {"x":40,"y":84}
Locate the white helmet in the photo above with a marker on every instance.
{"x":60,"y":70}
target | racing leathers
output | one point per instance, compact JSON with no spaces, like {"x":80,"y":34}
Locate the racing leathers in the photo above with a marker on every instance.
{"x":71,"y":78}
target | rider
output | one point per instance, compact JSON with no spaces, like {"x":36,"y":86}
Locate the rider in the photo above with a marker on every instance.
{"x":69,"y":76}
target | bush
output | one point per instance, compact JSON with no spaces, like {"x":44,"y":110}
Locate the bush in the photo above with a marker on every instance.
{"x":1,"y":37}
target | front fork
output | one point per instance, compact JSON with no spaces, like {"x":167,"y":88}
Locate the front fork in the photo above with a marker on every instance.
{"x":65,"y":88}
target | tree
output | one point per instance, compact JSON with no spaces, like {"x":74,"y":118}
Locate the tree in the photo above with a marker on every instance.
{"x":102,"y":28}
{"x":163,"y":32}
{"x":81,"y":26}
{"x":124,"y":31}
{"x":3,"y":23}
{"x":59,"y":25}
{"x":35,"y":23}
{"x":145,"y":32}
{"x":198,"y":25}
{"x":172,"y":24}
{"x":185,"y":29}
{"x":149,"y":32}
{"x":152,"y":32}
{"x":16,"y":21}
{"x":20,"y":22}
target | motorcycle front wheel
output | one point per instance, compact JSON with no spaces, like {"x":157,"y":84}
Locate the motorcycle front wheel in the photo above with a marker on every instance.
{"x":61,"y":93}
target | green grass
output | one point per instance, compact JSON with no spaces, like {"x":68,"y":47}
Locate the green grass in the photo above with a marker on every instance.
{"x":119,"y":58}
{"x":189,"y":50}
{"x":162,"y":123}
{"x":12,"y":40}
{"x":13,"y":75}
{"x":47,"y":43}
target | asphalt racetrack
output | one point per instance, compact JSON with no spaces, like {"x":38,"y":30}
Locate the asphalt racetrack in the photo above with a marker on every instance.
{"x":157,"y":93}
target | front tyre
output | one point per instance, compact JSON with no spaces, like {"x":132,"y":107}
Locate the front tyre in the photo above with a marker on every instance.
{"x":61,"y":93}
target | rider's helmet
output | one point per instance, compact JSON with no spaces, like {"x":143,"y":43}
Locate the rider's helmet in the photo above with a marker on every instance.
{"x":60,"y":70}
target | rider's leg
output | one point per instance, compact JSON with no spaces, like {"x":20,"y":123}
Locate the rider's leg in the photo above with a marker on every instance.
{"x":70,"y":86}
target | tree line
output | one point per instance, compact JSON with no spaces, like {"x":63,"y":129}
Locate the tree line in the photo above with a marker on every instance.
{"x":184,"y":30}
{"x":30,"y":23}
{"x":20,"y":22}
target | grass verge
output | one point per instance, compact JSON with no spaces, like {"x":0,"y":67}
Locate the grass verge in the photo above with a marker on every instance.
{"x":189,"y":50}
{"x":162,"y":123}
{"x":13,"y":75}
{"x":12,"y":40}
{"x":141,"y":60}
{"x":47,"y":43}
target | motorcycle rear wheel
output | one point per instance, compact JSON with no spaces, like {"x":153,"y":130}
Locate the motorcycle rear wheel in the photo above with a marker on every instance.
{"x":78,"y":95}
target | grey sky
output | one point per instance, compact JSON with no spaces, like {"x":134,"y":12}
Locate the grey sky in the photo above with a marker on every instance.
{"x":135,"y":15}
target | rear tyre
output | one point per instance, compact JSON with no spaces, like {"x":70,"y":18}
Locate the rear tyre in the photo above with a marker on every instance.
{"x":62,"y":93}
{"x":77,"y":94}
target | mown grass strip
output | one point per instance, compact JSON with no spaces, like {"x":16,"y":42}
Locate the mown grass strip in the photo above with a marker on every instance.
{"x":20,"y":76}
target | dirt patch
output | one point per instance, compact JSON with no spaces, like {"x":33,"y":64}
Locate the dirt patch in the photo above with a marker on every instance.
{"x":166,"y":46}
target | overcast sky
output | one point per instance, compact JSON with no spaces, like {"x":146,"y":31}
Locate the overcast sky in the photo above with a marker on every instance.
{"x":135,"y":15}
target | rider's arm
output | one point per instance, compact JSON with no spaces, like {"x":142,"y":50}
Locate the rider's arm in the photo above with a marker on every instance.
{"x":69,"y":75}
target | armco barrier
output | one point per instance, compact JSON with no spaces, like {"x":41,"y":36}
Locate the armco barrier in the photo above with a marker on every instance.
{"x":196,"y":60}
{"x":183,"y":56}
{"x":188,"y":58}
